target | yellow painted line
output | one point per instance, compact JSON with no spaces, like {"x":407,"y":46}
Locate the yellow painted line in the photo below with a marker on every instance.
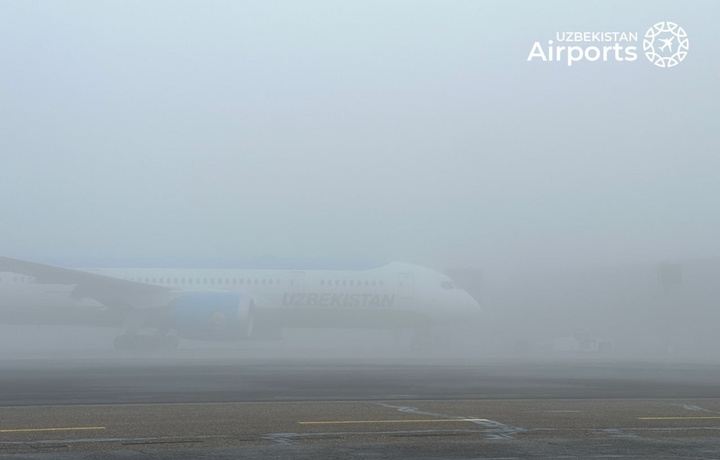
{"x":677,"y":418}
{"x":70,"y":428}
{"x":347,"y":422}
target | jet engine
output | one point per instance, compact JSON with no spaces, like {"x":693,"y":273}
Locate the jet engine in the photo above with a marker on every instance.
{"x":212,"y":315}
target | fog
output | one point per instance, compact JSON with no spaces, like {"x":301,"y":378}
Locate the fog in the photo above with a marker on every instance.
{"x":400,"y":131}
{"x":625,"y":313}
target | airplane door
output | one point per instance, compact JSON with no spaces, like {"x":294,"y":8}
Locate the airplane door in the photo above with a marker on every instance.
{"x":405,"y":285}
{"x":297,"y":279}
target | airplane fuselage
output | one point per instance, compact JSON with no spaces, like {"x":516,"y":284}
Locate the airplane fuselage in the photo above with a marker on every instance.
{"x":389,"y":295}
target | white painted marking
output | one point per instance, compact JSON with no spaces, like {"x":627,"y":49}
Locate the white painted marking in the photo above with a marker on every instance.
{"x":499,"y":430}
{"x":693,"y":407}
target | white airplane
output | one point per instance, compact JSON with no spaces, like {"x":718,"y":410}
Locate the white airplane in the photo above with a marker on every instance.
{"x":667,"y":43}
{"x":230,"y":304}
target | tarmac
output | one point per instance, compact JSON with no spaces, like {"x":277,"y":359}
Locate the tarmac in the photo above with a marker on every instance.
{"x":265,"y":404}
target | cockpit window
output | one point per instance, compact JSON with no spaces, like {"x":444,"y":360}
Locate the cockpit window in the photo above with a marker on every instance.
{"x":447,"y":285}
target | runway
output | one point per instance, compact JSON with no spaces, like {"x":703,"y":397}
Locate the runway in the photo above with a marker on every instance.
{"x":203,"y":406}
{"x":391,"y":429}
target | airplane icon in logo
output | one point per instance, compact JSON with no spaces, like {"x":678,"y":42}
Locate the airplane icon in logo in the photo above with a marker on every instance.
{"x":667,"y":43}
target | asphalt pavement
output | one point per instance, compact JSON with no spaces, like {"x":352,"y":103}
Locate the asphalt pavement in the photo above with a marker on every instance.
{"x":204,"y":405}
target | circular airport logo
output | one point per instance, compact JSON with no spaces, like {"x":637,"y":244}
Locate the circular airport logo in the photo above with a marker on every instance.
{"x":666,"y":44}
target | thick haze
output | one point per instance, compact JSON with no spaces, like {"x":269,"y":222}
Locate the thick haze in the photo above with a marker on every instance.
{"x":412,"y":131}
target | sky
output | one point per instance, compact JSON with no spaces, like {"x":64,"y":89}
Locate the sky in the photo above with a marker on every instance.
{"x":398,"y":130}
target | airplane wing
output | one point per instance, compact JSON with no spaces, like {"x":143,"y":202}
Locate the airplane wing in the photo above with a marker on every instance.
{"x":111,"y":292}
